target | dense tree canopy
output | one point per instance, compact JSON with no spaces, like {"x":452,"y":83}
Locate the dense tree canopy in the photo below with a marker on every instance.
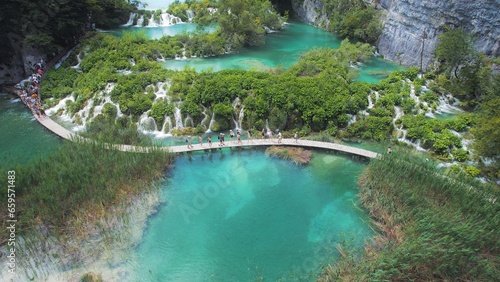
{"x":49,"y":25}
{"x":243,"y":23}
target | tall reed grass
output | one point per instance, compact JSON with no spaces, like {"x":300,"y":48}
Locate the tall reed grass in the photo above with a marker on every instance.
{"x":433,"y":226}
{"x":79,"y":183}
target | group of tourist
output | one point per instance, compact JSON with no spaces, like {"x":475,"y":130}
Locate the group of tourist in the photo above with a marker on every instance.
{"x":221,"y":138}
{"x":31,"y":93}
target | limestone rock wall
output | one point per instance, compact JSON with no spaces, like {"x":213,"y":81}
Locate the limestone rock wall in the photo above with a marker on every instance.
{"x":311,"y":11}
{"x":407,"y":20}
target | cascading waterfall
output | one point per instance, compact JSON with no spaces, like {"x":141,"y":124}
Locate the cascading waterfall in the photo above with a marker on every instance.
{"x":167,"y":19}
{"x":152,"y":22}
{"x":130,"y":19}
{"x":79,"y":59}
{"x":203,"y":121}
{"x":237,"y":120}
{"x":147,"y":124}
{"x":140,"y":21}
{"x":212,"y":120}
{"x":167,"y":122}
{"x":178,"y":118}
{"x":352,"y":120}
{"x":240,"y":116}
{"x":399,"y":114}
{"x":188,"y":121}
{"x":190,"y":15}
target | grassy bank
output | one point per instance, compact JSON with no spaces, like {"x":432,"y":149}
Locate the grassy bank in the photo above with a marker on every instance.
{"x":78,"y":185}
{"x":432,"y":226}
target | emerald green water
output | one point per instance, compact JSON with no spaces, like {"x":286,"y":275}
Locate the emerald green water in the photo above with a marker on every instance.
{"x":242,"y":216}
{"x":282,"y":49}
{"x":22,"y":138}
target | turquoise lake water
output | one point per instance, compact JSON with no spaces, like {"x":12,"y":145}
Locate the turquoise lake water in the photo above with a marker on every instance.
{"x":242,"y":216}
{"x":21,"y":136}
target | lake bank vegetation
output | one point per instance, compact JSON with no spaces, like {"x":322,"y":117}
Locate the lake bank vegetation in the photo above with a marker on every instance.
{"x":433,"y":225}
{"x":76,"y":187}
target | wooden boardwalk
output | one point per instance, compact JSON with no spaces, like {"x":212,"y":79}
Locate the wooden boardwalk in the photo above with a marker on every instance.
{"x":274,"y":142}
{"x":66,"y":134}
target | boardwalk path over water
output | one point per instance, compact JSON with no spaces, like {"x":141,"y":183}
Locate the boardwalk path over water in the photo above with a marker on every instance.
{"x":66,"y":134}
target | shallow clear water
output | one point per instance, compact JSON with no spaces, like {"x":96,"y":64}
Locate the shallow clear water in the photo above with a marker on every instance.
{"x":22,"y":138}
{"x":242,"y":216}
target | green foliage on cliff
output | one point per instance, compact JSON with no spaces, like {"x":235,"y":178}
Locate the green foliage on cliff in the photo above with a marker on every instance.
{"x":243,"y":23}
{"x":454,"y":49}
{"x":434,"y":226}
{"x":354,"y":19}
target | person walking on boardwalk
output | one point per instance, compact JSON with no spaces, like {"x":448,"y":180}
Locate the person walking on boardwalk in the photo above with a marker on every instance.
{"x":231,"y":134}
{"x":238,"y":138}
{"x":188,"y":142}
{"x":201,"y":140}
{"x":296,"y":137}
{"x":263,"y":133}
{"x":209,"y":140}
{"x":279,"y":137}
{"x":249,"y":136}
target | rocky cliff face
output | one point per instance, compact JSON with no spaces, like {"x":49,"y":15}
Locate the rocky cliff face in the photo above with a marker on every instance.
{"x":20,"y":66}
{"x":411,"y":24}
{"x":311,"y":11}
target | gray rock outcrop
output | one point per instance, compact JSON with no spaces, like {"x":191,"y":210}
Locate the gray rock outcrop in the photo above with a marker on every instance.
{"x":311,"y":11}
{"x":411,"y":24}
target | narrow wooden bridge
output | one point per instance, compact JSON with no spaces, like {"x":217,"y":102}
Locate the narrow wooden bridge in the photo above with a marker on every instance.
{"x":66,"y":134}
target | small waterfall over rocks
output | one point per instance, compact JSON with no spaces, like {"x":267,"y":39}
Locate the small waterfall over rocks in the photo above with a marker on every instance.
{"x":140,"y":21}
{"x":178,"y":118}
{"x":190,"y":15}
{"x":212,"y":120}
{"x":130,"y":19}
{"x":146,"y":123}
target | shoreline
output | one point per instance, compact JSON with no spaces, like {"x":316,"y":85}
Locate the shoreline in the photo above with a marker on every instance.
{"x":99,"y":252}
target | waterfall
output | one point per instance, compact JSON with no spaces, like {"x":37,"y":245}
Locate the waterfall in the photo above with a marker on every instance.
{"x":267,"y":126}
{"x":130,"y":19}
{"x":352,"y":120}
{"x":167,"y":19}
{"x":146,"y":123}
{"x":212,"y":120}
{"x":188,"y":120}
{"x":190,"y":15}
{"x":84,"y":115}
{"x":399,"y":114}
{"x":370,"y":102}
{"x":152,"y":22}
{"x":240,"y":116}
{"x":167,"y":122}
{"x":237,"y":121}
{"x":79,"y":59}
{"x":178,"y":118}
{"x":59,"y":106}
{"x":140,"y":21}
{"x":162,"y":92}
{"x":203,"y":123}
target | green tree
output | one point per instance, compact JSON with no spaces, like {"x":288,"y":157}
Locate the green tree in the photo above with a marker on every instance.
{"x":487,"y":129}
{"x":243,"y":23}
{"x":454,"y":49}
